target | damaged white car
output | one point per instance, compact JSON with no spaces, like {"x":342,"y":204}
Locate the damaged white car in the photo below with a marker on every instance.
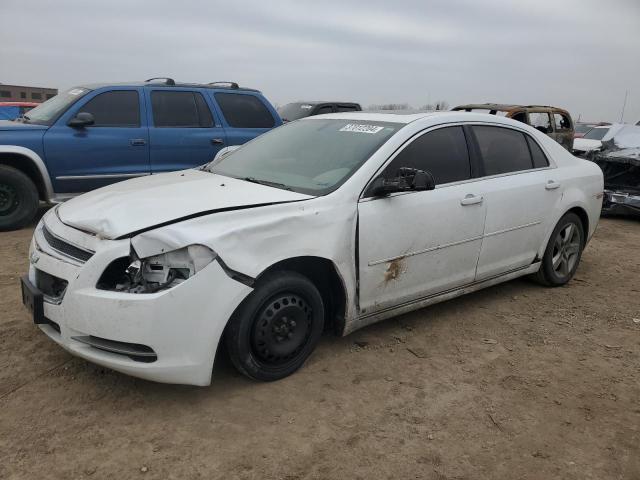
{"x":331,"y":222}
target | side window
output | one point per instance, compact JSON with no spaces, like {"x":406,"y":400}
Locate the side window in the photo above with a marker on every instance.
{"x":538,"y":156}
{"x":119,"y":108}
{"x":520,"y":117}
{"x":503,"y":150}
{"x":346,"y":108}
{"x":540,"y":121}
{"x":443,"y":152}
{"x":180,"y":109}
{"x":244,"y":111}
{"x":561,"y":121}
{"x":324,"y":109}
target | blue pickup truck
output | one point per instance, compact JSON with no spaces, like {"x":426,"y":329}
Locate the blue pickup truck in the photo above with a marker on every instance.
{"x":94,"y":135}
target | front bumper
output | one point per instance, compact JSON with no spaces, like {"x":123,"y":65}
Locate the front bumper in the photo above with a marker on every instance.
{"x":621,"y":202}
{"x":181,"y":326}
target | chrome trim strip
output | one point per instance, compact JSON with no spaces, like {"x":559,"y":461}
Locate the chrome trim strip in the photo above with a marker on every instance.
{"x":453,"y":244}
{"x":426,"y":250}
{"x":106,"y":175}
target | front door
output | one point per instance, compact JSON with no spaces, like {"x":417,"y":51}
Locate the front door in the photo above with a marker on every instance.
{"x":114,"y":148}
{"x":416,"y":244}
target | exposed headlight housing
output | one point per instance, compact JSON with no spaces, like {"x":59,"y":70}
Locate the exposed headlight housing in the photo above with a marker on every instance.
{"x":156,"y":273}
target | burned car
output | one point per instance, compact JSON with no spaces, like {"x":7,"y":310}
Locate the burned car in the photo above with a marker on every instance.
{"x":330,"y":222}
{"x":553,"y":121}
{"x":619,"y":159}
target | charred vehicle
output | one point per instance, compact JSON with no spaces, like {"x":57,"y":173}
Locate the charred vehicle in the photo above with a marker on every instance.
{"x":552,"y":121}
{"x":329,"y":222}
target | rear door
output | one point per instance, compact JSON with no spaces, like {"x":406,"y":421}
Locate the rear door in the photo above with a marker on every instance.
{"x":244,"y":115}
{"x":520,"y":189}
{"x":114,"y":148}
{"x":563,"y":127}
{"x":184,"y":133}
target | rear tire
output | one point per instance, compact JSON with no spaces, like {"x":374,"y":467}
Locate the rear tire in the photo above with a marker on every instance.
{"x":276,"y":327}
{"x":564,"y":250}
{"x":18,"y":199}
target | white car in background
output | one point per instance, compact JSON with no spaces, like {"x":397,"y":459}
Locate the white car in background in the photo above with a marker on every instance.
{"x":590,"y":141}
{"x":333,"y":221}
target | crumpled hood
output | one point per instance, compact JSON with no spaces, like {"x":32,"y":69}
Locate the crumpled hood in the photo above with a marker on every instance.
{"x":142,"y":203}
{"x":8,"y":125}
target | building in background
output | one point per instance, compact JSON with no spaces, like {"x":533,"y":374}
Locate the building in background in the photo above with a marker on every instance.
{"x":19,"y":93}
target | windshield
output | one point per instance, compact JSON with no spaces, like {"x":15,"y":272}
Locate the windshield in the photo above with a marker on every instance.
{"x":583,"y":128}
{"x":294,"y":111}
{"x":596,"y":133}
{"x":309,"y":156}
{"x":48,"y":112}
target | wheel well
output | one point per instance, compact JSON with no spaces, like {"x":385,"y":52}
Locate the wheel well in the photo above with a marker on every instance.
{"x":26,"y":166}
{"x":584,"y":219}
{"x":324,"y":275}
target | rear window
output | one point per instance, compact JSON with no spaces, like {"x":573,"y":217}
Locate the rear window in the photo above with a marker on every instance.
{"x":503,"y":150}
{"x":295,"y":111}
{"x":244,"y":111}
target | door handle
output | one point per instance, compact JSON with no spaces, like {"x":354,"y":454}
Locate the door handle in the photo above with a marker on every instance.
{"x":552,"y":185}
{"x":217,"y":141}
{"x":471,"y":199}
{"x":137,"y":142}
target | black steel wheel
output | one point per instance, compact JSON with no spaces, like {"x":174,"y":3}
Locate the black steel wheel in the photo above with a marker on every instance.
{"x":277,"y":327}
{"x":18,"y":199}
{"x":563,"y":252}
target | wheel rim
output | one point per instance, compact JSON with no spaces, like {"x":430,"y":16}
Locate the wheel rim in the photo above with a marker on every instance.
{"x":282,"y":328}
{"x":566,"y":249}
{"x":8,"y":199}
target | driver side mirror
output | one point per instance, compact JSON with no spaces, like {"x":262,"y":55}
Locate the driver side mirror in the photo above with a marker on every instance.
{"x":81,"y":120}
{"x":406,"y":180}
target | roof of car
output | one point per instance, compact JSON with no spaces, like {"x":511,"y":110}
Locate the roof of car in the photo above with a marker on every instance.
{"x":170,"y":83}
{"x":406,"y":118}
{"x":319,"y":102}
{"x":502,"y":107}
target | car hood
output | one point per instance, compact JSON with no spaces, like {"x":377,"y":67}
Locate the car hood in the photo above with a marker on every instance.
{"x":8,"y":125}
{"x":141,"y":204}
{"x":586,"y":144}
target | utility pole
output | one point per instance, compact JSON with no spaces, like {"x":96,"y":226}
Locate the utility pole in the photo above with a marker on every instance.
{"x":624,"y":105}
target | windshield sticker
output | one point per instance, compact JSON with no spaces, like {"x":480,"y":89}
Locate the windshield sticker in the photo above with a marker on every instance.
{"x":76,"y":91}
{"x":306,"y":107}
{"x":359,"y":128}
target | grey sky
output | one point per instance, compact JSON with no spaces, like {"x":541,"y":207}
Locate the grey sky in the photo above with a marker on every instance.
{"x":577,"y":54}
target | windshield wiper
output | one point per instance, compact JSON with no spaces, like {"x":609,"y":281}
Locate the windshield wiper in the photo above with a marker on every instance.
{"x":267,"y":183}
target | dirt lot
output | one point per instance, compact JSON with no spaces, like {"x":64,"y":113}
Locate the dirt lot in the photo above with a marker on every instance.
{"x":516,"y":381}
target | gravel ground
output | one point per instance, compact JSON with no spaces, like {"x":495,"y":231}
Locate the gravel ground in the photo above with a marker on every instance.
{"x":516,"y":381}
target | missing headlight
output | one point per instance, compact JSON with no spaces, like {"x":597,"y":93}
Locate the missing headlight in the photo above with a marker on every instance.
{"x":159,"y":272}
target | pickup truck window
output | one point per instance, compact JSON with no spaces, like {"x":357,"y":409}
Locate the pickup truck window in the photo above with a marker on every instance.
{"x":180,"y":109}
{"x":48,"y":112}
{"x":244,"y":111}
{"x":119,"y":108}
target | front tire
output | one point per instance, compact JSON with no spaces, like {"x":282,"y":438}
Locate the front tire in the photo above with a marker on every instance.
{"x":276,"y":327}
{"x":18,"y":199}
{"x":563,"y":252}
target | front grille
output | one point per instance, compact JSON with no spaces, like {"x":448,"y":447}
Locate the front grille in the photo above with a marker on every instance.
{"x":66,"y":248}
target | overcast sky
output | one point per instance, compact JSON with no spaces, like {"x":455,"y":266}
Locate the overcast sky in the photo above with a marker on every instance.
{"x":578,"y":54}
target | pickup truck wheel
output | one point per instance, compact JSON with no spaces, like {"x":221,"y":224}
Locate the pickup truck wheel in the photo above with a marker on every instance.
{"x":18,"y":199}
{"x":276,"y":328}
{"x":563,"y":253}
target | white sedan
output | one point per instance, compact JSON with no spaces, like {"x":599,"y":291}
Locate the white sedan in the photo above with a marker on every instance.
{"x":334,"y":221}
